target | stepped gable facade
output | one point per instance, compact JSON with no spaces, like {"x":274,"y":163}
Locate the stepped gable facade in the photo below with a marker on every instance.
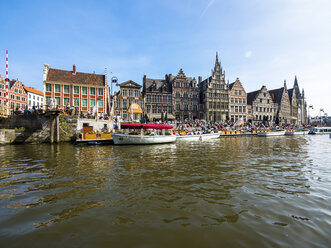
{"x":84,"y":91}
{"x":17,"y":97}
{"x":263,"y":109}
{"x":238,"y":101}
{"x":185,"y":95}
{"x":130,"y":92}
{"x":157,"y":95}
{"x":214,"y":95}
{"x":281,"y":99}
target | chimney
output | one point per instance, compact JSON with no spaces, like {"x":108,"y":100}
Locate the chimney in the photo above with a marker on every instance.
{"x":199,"y":79}
{"x":74,"y":70}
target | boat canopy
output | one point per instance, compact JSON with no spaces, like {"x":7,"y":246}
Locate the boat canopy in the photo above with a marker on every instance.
{"x":145,"y":126}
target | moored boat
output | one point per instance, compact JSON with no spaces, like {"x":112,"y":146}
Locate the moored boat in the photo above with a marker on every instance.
{"x":149,"y":134}
{"x":320,"y":130}
{"x":196,"y":137}
{"x":296,"y":132}
{"x":271,"y":133}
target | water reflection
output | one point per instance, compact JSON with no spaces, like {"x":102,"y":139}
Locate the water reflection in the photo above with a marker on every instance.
{"x":231,"y":184}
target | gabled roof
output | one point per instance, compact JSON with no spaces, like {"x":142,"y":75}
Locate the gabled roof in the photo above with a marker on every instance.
{"x":57,"y":75}
{"x":32,"y":90}
{"x":276,"y":95}
{"x":251,"y":96}
{"x":131,"y":84}
{"x":159,"y":83}
{"x":231,"y":85}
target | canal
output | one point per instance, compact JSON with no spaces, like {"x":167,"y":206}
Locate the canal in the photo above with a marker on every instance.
{"x":231,"y":192}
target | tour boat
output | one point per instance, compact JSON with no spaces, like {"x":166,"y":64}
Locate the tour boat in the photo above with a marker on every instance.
{"x":297,"y":132}
{"x":196,"y":137}
{"x":271,"y":133}
{"x":149,"y":134}
{"x":320,"y":130}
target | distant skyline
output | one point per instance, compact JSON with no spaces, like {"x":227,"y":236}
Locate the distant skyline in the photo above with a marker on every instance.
{"x":261,"y":42}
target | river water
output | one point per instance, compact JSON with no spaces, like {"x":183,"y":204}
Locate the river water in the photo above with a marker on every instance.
{"x":230,"y":192}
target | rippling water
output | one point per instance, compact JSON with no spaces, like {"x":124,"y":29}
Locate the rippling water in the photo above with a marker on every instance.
{"x":235,"y":192}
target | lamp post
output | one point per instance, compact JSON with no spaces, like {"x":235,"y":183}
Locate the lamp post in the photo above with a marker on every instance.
{"x":321,"y":110}
{"x":309,"y":107}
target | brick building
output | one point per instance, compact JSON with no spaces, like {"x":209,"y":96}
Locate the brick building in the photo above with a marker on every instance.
{"x":157,"y":94}
{"x":238,"y":101}
{"x":281,"y":99}
{"x":263,"y":109}
{"x":84,"y":91}
{"x":185,"y":95}
{"x":35,"y":98}
{"x":214,"y":95}
{"x":129,"y":93}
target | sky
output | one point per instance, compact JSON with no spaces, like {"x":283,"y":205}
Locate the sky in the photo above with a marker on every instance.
{"x":262,"y":42}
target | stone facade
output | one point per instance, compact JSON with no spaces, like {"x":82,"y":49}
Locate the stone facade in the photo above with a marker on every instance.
{"x":185,"y":95}
{"x":85,"y":91}
{"x":157,"y":95}
{"x":294,"y":105}
{"x":263,"y":109}
{"x":129,"y":93}
{"x":214,"y":95}
{"x":301,"y":104}
{"x":238,"y":101}
{"x":281,"y":99}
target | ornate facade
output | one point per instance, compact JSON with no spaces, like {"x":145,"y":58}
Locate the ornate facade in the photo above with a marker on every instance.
{"x":214,"y":95}
{"x":281,"y":99}
{"x":157,"y":95}
{"x":301,"y":103}
{"x":129,"y":93}
{"x":185,"y":94}
{"x":263,"y":109}
{"x":238,"y":101}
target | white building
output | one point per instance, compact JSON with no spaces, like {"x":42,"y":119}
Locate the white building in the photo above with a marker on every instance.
{"x":34,"y":98}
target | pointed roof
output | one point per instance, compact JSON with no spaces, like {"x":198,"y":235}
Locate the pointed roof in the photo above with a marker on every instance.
{"x":297,"y":89}
{"x":181,"y":74}
{"x":131,"y":84}
{"x":251,"y":96}
{"x":290,"y":93}
{"x":276,"y":95}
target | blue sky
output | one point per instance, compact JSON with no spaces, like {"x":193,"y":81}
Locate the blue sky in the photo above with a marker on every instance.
{"x":261,"y":42}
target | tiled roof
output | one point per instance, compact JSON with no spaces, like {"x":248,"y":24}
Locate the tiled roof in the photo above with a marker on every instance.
{"x":63,"y":76}
{"x":32,"y":90}
{"x":290,"y":94}
{"x":276,"y":95}
{"x":251,"y":96}
{"x":231,"y":85}
{"x":158,"y":83}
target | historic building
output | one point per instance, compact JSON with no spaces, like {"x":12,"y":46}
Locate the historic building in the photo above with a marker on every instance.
{"x":294,"y":105}
{"x":157,"y":95}
{"x":214,"y":95}
{"x":301,"y":104}
{"x":84,"y":91}
{"x":281,"y":98}
{"x":35,"y":98}
{"x":238,"y":101}
{"x":129,"y":93}
{"x":17,"y":98}
{"x":263,"y":109}
{"x":185,"y":95}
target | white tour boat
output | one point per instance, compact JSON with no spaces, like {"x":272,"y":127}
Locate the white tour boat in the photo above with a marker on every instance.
{"x":297,"y":132}
{"x":271,"y":133}
{"x":149,"y":134}
{"x":197,"y":137}
{"x":320,"y":130}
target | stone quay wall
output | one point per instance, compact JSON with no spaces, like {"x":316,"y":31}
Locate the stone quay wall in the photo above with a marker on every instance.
{"x":45,"y":128}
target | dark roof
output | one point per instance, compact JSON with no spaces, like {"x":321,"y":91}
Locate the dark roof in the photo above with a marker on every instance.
{"x":57,"y":75}
{"x":276,"y":95}
{"x":290,"y":94}
{"x":251,"y":96}
{"x":158,"y":84}
{"x":231,"y":85}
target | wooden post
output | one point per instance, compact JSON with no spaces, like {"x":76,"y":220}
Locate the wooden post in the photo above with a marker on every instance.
{"x":57,"y":122}
{"x":52,"y":119}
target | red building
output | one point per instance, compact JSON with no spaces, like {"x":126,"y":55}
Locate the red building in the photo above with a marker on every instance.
{"x":81,"y":90}
{"x":17,"y":97}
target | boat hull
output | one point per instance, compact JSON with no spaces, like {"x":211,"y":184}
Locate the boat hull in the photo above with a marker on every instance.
{"x":296,"y":132}
{"x":124,"y":139}
{"x":267,"y":134}
{"x":198,"y":137}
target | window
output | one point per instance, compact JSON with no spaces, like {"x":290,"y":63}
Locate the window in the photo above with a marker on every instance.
{"x":124,"y":92}
{"x":154,"y":109}
{"x":76,"y":101}
{"x":29,"y":102}
{"x":185,"y":106}
{"x":66,"y":89}
{"x":100,"y":91}
{"x":148,"y":98}
{"x":268,"y":101}
{"x":48,"y":98}
{"x":177,"y":94}
{"x":159,"y":109}
{"x":136,"y":93}
{"x":124,"y":104}
{"x":177,"y":105}
{"x":92,"y":102}
{"x":130,"y":93}
{"x":164,"y":99}
{"x":100,"y":103}
{"x":159,"y":99}
{"x":92,"y":91}
{"x":84,"y":90}
{"x":48,"y":87}
{"x":37,"y":98}
{"x":76,"y":90}
{"x":154,"y":98}
{"x":29,"y":96}
{"x":148,"y":108}
{"x":169,"y":99}
{"x":261,"y":100}
{"x":65,"y":101}
{"x":58,"y":101}
{"x":84,"y":102}
{"x":169,"y":109}
{"x":57,"y":88}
